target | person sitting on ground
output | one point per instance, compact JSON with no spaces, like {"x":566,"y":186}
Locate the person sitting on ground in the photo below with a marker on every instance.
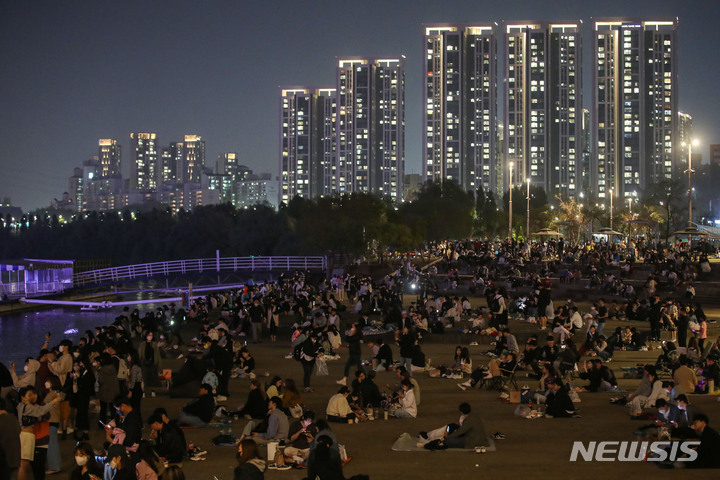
{"x":471,"y":433}
{"x":169,"y":440}
{"x":405,"y":406}
{"x":657,"y":391}
{"x":324,"y":462}
{"x":275,"y":388}
{"x":502,"y":367}
{"x":369,"y":391}
{"x":302,"y":433}
{"x":86,"y":464}
{"x":117,"y":466}
{"x":707,"y":451}
{"x":684,"y":377}
{"x":558,"y":403}
{"x":602,"y":350}
{"x":277,"y":424}
{"x":255,"y":406}
{"x":129,"y":427}
{"x":338,"y":408}
{"x":601,"y":378}
{"x":384,"y":357}
{"x":685,"y":413}
{"x":250,"y":465}
{"x":150,"y":465}
{"x":550,"y":351}
{"x":403,"y":374}
{"x":292,"y":398}
{"x":201,"y":411}
{"x":245,"y":364}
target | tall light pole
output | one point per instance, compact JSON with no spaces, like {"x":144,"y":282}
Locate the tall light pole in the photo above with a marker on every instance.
{"x":527,"y":225}
{"x":611,"y":207}
{"x":510,"y":205}
{"x":690,"y":171}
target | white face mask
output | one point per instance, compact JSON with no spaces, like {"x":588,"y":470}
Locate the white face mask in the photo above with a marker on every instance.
{"x":81,"y":461}
{"x":48,"y":386}
{"x":26,"y":368}
{"x":76,"y":354}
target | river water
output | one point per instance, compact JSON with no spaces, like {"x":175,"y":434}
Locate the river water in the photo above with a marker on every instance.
{"x":22,"y":335}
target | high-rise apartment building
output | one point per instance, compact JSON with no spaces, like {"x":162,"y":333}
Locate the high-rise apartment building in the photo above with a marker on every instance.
{"x":324,"y":178}
{"x":684,"y":139}
{"x":460,"y":106}
{"x":543,"y":105}
{"x":635,"y":94}
{"x":144,"y":162}
{"x":110,"y":156}
{"x":371,"y":126}
{"x":192,"y":160}
{"x":296,"y":142}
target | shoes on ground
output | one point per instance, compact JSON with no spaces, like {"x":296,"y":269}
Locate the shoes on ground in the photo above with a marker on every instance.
{"x":341,"y":382}
{"x":462,"y":386}
{"x":498,"y":436}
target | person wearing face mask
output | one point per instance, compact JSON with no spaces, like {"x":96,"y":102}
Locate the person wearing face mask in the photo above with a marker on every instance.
{"x":149,"y":355}
{"x":33,"y":450}
{"x":117,"y":466}
{"x":87,"y":466}
{"x":63,"y":365}
{"x":29,"y":375}
{"x":134,"y":381}
{"x":684,"y":417}
{"x":54,"y":462}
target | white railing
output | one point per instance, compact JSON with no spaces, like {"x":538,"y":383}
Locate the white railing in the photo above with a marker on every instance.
{"x":198,"y":265}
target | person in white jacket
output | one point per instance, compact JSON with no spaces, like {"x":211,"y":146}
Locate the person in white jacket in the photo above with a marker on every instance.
{"x":27,"y":378}
{"x":641,"y":401}
{"x":408,"y":407}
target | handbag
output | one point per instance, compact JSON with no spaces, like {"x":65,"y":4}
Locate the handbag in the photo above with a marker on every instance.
{"x":321,"y":367}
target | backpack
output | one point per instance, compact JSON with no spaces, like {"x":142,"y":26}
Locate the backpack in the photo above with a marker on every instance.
{"x":495,"y":305}
{"x":297,"y":352}
{"x":123,"y":371}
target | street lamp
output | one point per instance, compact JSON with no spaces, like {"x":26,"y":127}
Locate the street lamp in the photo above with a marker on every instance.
{"x":690,"y":171}
{"x":611,"y":207}
{"x":510,"y":202}
{"x":527,"y":226}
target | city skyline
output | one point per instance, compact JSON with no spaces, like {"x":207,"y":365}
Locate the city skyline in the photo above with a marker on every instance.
{"x":70,"y":82}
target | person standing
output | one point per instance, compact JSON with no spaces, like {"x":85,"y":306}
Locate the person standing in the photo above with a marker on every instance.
{"x":257,"y":314}
{"x":9,"y":443}
{"x":309,"y":351}
{"x":149,"y":354}
{"x":353,"y":340}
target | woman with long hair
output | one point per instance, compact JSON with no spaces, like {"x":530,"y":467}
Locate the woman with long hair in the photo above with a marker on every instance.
{"x":250,"y":465}
{"x":149,"y":466}
{"x":135,"y":379}
{"x":86,"y":464}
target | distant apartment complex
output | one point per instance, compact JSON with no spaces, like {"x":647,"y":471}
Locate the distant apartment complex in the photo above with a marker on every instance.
{"x":175,"y":176}
{"x":345,"y":139}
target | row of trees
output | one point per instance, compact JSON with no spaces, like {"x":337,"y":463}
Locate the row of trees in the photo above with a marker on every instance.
{"x":352,"y":224}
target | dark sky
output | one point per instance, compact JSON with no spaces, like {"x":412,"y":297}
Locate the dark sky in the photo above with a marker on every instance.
{"x":74,"y":71}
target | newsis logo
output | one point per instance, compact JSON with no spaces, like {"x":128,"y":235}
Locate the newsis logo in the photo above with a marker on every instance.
{"x":625,"y":451}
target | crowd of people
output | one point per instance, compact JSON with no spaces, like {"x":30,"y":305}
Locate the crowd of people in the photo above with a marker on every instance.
{"x":109,"y":370}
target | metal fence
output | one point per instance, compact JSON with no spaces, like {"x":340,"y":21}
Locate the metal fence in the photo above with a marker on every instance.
{"x":199,"y":265}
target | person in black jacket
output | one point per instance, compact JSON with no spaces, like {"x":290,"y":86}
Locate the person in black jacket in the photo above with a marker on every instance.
{"x":558,"y":403}
{"x":255,"y":405}
{"x":353,"y":340}
{"x":130,"y":423}
{"x":309,"y":351}
{"x":250,"y":465}
{"x":169,"y":439}
{"x":199,"y":412}
{"x":369,"y":391}
{"x":707,"y":451}
{"x":324,"y":462}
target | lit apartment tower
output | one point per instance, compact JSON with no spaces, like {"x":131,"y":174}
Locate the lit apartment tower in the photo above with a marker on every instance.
{"x":192,"y":161}
{"x":324,"y":174}
{"x":109,"y":153}
{"x":460,"y":96}
{"x":371,"y":126}
{"x":685,"y":137}
{"x":144,"y":162}
{"x":543,"y":105}
{"x":296,"y":142}
{"x":635,"y":95}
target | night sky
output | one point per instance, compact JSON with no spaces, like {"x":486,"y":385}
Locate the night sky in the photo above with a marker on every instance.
{"x":72,"y":72}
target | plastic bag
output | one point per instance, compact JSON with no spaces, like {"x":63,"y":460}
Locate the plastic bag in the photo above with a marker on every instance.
{"x":321,"y":367}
